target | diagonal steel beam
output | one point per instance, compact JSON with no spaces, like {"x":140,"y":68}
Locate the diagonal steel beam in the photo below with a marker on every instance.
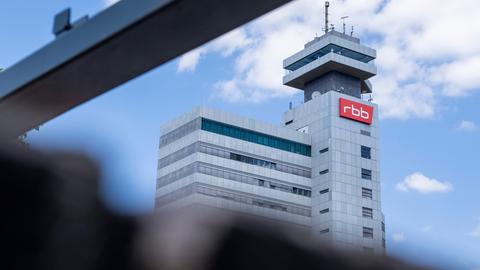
{"x":117,"y":45}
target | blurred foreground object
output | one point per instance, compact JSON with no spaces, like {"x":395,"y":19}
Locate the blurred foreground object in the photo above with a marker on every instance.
{"x":92,"y":56}
{"x":55,"y":220}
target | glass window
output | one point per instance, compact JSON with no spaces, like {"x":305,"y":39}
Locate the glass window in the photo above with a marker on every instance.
{"x":364,"y":132}
{"x":323,"y":191}
{"x":367,"y":232}
{"x":324,"y":150}
{"x":327,"y":49}
{"x":366,"y":152}
{"x":366,"y":174}
{"x":366,"y":193}
{"x":324,"y":171}
{"x":324,"y":211}
{"x":255,"y":137}
{"x":367,"y":212}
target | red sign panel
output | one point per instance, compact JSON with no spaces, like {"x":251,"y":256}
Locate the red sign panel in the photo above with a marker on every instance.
{"x":356,"y":111}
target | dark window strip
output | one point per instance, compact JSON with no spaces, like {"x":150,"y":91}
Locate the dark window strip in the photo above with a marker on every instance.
{"x":255,"y":137}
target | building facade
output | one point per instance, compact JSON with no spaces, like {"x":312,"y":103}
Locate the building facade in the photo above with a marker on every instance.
{"x":319,"y":171}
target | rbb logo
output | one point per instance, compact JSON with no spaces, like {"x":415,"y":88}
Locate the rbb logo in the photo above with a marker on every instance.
{"x":356,"y":111}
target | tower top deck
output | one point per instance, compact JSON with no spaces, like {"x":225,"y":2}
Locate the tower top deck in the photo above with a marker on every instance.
{"x":332,"y":52}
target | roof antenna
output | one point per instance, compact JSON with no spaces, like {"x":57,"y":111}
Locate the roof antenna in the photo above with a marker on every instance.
{"x":343,"y":19}
{"x":327,"y":4}
{"x":351,"y":32}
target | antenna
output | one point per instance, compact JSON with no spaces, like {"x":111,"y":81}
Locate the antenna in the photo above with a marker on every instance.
{"x":343,"y":19}
{"x":327,"y":4}
{"x":351,"y":32}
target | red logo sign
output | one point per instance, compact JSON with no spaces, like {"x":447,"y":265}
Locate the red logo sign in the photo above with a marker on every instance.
{"x":356,"y":111}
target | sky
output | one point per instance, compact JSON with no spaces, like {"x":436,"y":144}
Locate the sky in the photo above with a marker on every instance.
{"x":427,"y":88}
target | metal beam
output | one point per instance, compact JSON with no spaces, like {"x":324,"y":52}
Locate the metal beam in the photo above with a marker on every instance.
{"x":113,"y":47}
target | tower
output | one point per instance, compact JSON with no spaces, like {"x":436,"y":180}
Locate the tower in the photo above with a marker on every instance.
{"x":333,"y":71}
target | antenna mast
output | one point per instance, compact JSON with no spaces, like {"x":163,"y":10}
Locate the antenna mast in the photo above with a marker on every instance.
{"x":343,"y":19}
{"x":327,"y":4}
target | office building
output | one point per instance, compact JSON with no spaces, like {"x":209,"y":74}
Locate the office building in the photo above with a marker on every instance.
{"x":319,"y":171}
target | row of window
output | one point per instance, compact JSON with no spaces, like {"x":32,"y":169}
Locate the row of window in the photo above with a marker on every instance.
{"x":366,"y":231}
{"x":180,"y":132}
{"x":366,"y":192}
{"x":255,"y":137}
{"x":366,"y":174}
{"x":365,"y":151}
{"x":199,"y":147}
{"x":234,"y":176}
{"x":229,"y":195}
{"x":253,"y":180}
{"x":175,"y":195}
{"x":330,"y":48}
{"x":255,"y":161}
{"x":177,"y":155}
{"x":366,"y":212}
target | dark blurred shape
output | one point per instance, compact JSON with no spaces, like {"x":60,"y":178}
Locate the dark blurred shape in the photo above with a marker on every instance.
{"x":53,"y":219}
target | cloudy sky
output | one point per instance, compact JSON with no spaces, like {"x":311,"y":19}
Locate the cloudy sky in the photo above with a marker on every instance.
{"x":427,"y":87}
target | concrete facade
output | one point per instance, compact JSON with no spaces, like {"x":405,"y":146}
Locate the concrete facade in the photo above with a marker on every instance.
{"x":319,"y":171}
{"x":336,"y":147}
{"x":216,"y":179}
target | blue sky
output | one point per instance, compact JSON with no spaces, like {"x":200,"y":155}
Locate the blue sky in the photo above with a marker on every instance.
{"x":427,"y":88}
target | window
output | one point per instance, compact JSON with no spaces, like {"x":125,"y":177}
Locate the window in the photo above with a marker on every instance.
{"x":367,"y":232}
{"x":324,"y":211}
{"x":366,"y":152}
{"x":254,"y":161}
{"x":366,"y":174}
{"x":324,"y":171}
{"x":367,"y":212}
{"x":255,"y":137}
{"x":330,"y":48}
{"x":323,"y":191}
{"x":288,"y":122}
{"x":325,"y":231}
{"x":383,"y":226}
{"x":383,"y":243}
{"x":366,"y":193}
{"x":324,"y":150}
{"x":261,"y":183}
{"x":364,"y":132}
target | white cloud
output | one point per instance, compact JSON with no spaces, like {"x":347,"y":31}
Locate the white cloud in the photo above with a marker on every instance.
{"x":226,"y":45}
{"x":467,"y":126}
{"x":476,"y":231}
{"x":426,"y":50}
{"x":422,"y":184}
{"x":189,"y":61}
{"x":108,"y":3}
{"x":398,"y":237}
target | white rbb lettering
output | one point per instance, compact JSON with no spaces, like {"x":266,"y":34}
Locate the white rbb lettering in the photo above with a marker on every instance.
{"x":357,"y":112}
